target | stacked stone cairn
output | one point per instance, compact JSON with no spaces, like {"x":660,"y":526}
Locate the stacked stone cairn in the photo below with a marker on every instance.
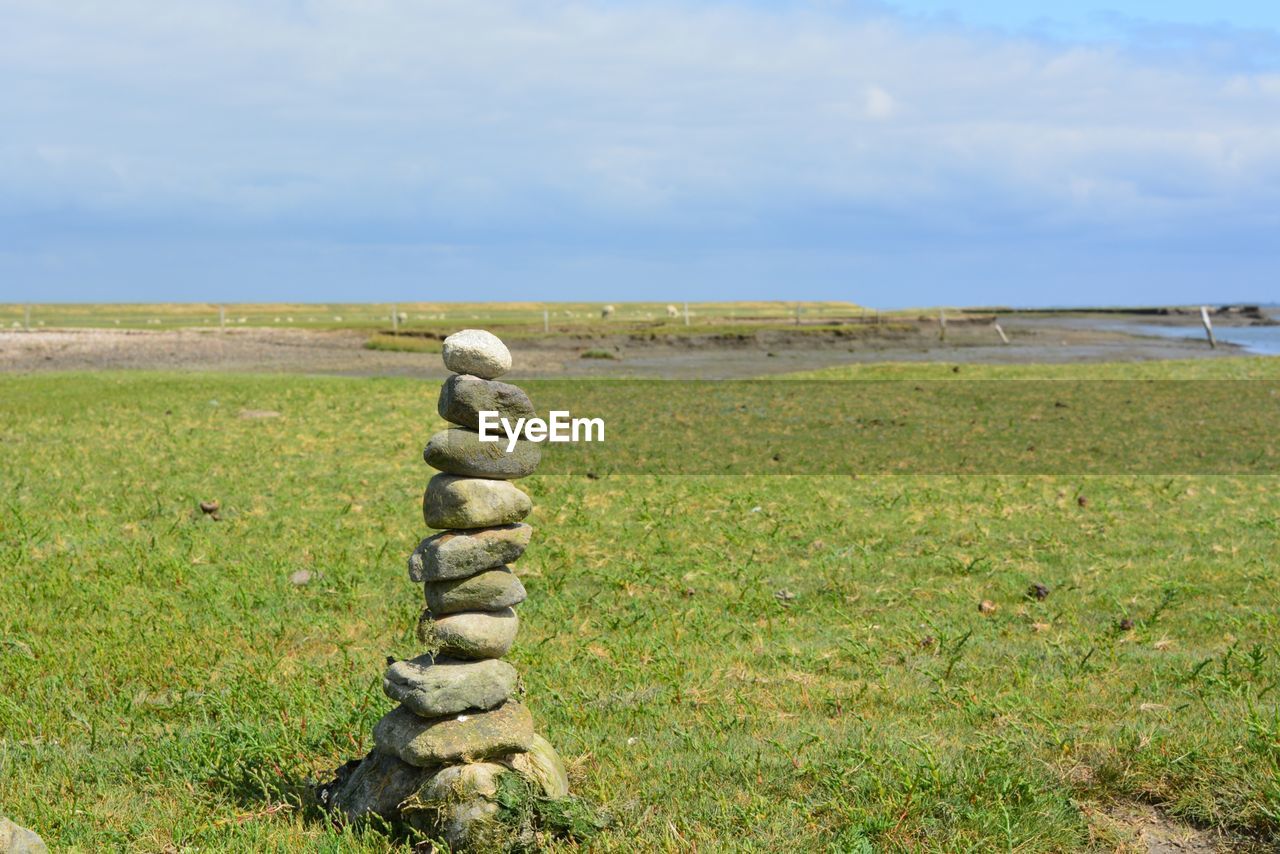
{"x":439,"y":755}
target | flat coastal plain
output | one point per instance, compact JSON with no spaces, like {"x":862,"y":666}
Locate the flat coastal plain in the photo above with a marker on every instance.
{"x":713,"y":352}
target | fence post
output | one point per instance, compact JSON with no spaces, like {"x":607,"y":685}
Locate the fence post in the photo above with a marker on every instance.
{"x":1208,"y":326}
{"x":942,"y":324}
{"x":1000,"y":332}
{"x":546,"y":322}
{"x":686,"y":314}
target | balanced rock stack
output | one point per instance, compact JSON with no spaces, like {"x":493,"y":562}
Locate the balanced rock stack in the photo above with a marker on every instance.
{"x":459,"y":727}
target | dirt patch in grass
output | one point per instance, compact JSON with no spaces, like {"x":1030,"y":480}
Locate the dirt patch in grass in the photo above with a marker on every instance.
{"x":1144,"y":829}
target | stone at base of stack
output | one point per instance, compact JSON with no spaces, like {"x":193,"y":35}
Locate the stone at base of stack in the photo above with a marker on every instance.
{"x":440,"y":755}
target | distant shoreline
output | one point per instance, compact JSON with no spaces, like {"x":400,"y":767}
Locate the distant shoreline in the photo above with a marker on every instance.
{"x":1254,"y":313}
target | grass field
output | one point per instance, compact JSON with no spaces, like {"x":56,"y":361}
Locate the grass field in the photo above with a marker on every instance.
{"x":728,"y":663}
{"x":423,"y":317}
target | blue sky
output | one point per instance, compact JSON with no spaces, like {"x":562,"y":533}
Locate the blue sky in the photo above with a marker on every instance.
{"x":1097,"y":18}
{"x":891,"y":153}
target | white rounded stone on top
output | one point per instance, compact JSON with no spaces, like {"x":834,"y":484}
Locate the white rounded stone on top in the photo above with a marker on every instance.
{"x":478,"y":353}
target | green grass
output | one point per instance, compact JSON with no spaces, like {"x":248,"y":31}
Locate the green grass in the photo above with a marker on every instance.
{"x":404,"y":343}
{"x":1230,"y":368}
{"x":511,"y":318}
{"x":728,"y":663}
{"x":716,"y":324}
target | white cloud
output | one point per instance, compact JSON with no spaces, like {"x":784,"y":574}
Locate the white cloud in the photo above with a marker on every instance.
{"x":480,"y":112}
{"x":880,"y":104}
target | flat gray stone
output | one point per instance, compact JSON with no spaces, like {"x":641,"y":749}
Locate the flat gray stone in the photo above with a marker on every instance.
{"x":432,"y":686}
{"x":470,"y":634}
{"x":464,"y":502}
{"x":462,"y":782}
{"x":468,"y":826}
{"x":457,"y":803}
{"x":377,"y":786}
{"x":15,"y":839}
{"x":467,"y":737}
{"x":458,"y":451}
{"x":464,"y":397}
{"x":476,"y":352}
{"x":457,"y":554}
{"x":485,"y":591}
{"x":542,"y":766}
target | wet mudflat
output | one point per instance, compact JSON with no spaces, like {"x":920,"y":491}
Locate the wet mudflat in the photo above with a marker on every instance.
{"x":730,"y":355}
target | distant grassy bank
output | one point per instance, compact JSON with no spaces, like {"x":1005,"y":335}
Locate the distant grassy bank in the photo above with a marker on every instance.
{"x":728,"y":663}
{"x":420,"y":316}
{"x":655,"y":331}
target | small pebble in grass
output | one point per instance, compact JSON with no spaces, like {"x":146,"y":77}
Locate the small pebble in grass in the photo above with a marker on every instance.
{"x":18,"y":648}
{"x":1082,"y":501}
{"x":986,"y":606}
{"x":1126,"y":625}
{"x":784,"y":595}
{"x":209,"y":506}
{"x":1038,"y":591}
{"x":300,"y":578}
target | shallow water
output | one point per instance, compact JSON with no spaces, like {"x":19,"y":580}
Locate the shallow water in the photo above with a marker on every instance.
{"x":1257,"y":340}
{"x":1260,"y":340}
